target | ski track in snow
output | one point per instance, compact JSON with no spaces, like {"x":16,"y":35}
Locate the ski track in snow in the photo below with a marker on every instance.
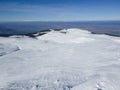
{"x":70,"y":59}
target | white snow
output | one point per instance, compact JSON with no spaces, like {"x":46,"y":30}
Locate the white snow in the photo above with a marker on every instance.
{"x":117,"y":40}
{"x":70,"y":36}
{"x":70,"y":59}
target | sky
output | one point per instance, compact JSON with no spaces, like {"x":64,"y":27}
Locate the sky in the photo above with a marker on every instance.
{"x":59,"y":10}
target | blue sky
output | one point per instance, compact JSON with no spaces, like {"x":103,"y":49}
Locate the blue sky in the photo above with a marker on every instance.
{"x":59,"y":10}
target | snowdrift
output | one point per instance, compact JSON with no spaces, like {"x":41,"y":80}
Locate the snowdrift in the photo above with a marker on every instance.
{"x":71,"y":59}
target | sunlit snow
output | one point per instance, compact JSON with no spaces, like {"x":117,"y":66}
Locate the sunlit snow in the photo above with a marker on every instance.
{"x":71,"y":59}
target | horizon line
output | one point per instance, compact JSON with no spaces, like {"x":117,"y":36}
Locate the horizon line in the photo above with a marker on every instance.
{"x":60,"y":21}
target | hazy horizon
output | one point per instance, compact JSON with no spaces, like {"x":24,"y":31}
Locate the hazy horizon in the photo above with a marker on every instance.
{"x":59,"y":10}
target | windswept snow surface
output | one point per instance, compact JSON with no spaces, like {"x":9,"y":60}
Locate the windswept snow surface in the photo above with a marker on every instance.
{"x":71,"y":59}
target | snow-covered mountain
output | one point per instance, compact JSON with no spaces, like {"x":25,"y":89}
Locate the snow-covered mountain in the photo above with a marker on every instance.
{"x":71,"y":59}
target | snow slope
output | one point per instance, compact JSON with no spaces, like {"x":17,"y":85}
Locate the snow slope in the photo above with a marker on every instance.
{"x":70,"y":59}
